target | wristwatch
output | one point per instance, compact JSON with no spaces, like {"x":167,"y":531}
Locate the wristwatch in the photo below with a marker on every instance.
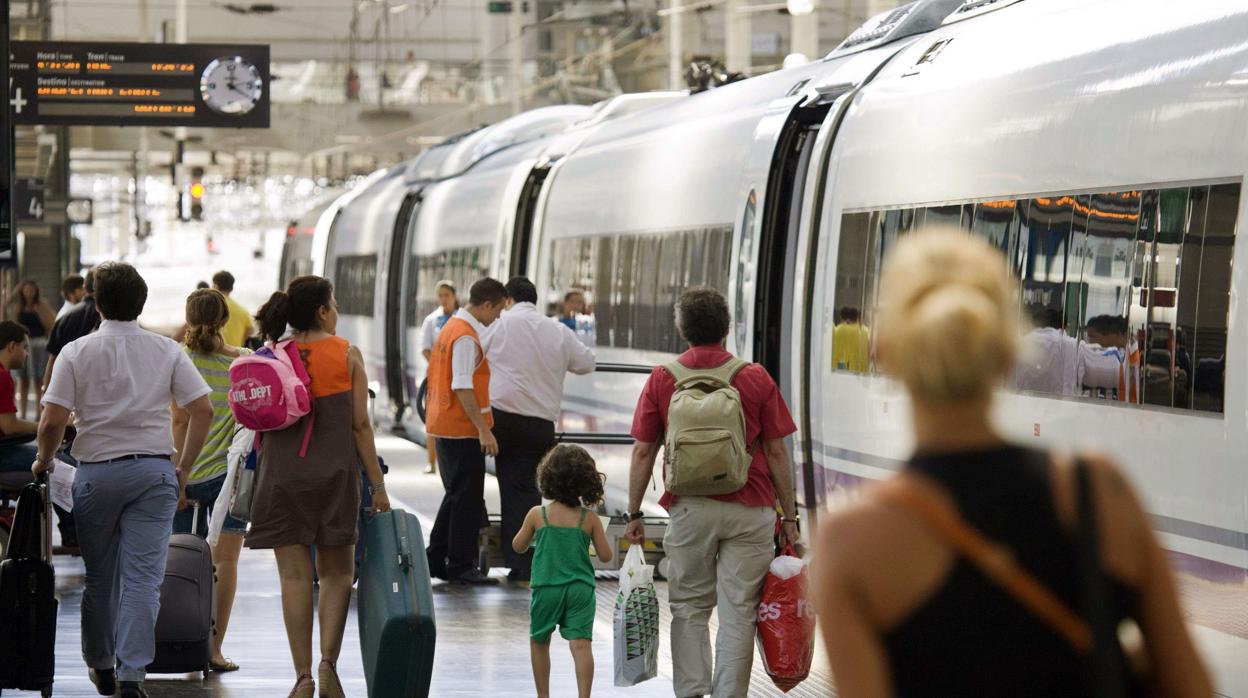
{"x":634,"y":515}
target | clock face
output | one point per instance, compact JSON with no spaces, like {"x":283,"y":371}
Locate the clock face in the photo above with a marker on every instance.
{"x":231,"y":85}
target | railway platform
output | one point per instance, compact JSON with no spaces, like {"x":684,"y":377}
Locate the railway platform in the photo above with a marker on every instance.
{"x":482,"y":646}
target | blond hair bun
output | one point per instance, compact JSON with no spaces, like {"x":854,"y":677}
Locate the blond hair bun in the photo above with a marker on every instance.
{"x":948,"y":324}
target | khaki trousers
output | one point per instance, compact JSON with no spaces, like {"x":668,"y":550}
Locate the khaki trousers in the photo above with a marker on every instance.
{"x":718,"y":554}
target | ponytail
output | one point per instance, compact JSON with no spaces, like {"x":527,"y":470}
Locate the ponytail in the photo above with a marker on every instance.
{"x":206,"y":313}
{"x":273,"y":316}
{"x":297,"y":307}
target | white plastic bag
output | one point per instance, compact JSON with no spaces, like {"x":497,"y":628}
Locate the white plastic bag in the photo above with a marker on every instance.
{"x":636,"y":622}
{"x":787,"y":566}
{"x":235,"y":458}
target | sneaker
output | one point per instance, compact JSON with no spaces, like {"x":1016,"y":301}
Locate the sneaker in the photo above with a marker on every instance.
{"x":105,"y":680}
{"x":473,"y":577}
{"x":132,"y":689}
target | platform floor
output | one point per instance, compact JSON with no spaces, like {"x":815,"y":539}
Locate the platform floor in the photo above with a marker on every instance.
{"x":482,"y":647}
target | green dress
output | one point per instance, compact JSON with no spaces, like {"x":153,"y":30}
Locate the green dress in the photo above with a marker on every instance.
{"x":562,"y":582}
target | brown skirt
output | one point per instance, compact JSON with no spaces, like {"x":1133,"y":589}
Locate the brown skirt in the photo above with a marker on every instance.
{"x":313,"y":500}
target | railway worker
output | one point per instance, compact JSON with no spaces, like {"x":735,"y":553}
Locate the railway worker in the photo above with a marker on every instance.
{"x":529,"y":355}
{"x":238,"y":329}
{"x":925,"y":619}
{"x":448,"y":303}
{"x":460,"y":418}
{"x":851,"y":342}
{"x":1114,"y":333}
{"x":719,"y":548}
{"x":119,"y":382}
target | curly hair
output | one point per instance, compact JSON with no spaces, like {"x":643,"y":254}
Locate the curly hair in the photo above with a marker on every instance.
{"x":206,"y":314}
{"x":568,"y":475}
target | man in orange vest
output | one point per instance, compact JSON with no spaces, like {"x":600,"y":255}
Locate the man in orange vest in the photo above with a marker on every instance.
{"x":459,"y":417}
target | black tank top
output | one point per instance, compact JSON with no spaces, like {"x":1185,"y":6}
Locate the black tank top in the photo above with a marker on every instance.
{"x":30,"y":320}
{"x":971,"y":638}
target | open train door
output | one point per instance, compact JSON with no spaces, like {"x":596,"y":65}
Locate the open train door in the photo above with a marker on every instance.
{"x":397,"y":284}
{"x":777,"y":255}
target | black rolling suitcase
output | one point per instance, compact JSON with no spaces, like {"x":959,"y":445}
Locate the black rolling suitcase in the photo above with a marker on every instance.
{"x":28,"y":597}
{"x":184,"y":626}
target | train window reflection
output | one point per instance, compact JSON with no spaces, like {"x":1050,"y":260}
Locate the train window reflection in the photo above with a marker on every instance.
{"x":850,"y":338}
{"x":634,"y":280}
{"x":461,"y":266}
{"x":355,"y":284}
{"x":1128,"y":292}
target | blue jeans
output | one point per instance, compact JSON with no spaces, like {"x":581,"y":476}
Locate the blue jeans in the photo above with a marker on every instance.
{"x":205,"y":493}
{"x":18,"y":457}
{"x":124,"y":512}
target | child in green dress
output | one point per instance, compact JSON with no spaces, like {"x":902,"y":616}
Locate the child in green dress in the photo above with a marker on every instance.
{"x":563,"y":576}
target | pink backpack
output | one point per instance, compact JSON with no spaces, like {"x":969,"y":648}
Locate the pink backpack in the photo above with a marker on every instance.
{"x":269,"y":390}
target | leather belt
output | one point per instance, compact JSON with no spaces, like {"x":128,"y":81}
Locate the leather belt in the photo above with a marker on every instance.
{"x":128,"y":456}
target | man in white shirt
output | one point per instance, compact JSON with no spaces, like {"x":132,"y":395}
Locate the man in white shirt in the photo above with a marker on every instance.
{"x":461,"y":418}
{"x":529,"y":356}
{"x":448,"y":303}
{"x":1054,"y":363}
{"x":73,"y":290}
{"x":119,"y":382}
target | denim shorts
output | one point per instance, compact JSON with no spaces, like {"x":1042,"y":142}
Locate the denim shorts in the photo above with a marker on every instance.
{"x":206,"y":493}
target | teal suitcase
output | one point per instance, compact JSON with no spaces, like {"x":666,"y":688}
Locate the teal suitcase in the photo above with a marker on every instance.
{"x":397,"y":630}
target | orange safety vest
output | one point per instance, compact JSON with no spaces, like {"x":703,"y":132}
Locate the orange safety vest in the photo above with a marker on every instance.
{"x":446,"y":416}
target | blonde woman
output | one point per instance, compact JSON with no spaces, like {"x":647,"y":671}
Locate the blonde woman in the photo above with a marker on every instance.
{"x":206,"y":314}
{"x":903,"y":613}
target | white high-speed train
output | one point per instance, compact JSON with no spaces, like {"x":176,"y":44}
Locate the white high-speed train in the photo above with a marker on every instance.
{"x":1100,"y":144}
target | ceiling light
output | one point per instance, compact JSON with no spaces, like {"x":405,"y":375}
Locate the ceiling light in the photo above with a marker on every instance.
{"x":798,"y":8}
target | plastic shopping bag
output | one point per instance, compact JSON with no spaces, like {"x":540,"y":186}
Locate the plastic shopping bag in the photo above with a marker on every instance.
{"x":786,"y":622}
{"x":636,"y":622}
{"x":236,"y":458}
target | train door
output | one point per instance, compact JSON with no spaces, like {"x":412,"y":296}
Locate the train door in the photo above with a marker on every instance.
{"x":526,"y":210}
{"x":785,"y":259}
{"x":396,"y":305}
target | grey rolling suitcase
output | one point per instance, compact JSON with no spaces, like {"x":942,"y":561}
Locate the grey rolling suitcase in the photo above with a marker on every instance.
{"x":184,"y":627}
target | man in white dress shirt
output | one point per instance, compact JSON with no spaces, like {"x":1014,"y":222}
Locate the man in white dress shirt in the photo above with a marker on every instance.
{"x":1054,"y":363}
{"x":529,"y":356}
{"x":119,"y":383}
{"x":448,"y":303}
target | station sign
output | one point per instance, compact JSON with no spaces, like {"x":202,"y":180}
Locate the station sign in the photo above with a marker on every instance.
{"x":76,"y":83}
{"x":28,"y":200}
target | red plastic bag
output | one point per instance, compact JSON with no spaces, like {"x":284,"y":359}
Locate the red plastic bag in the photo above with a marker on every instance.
{"x":786,"y":622}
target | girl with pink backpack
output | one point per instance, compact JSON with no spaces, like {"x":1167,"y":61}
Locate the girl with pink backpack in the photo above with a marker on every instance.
{"x":307,"y":397}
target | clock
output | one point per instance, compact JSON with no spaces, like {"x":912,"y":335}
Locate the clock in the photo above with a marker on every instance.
{"x":231,"y":85}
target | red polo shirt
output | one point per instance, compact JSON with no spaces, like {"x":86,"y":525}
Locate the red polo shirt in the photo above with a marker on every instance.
{"x":766,"y":417}
{"x":8,"y":403}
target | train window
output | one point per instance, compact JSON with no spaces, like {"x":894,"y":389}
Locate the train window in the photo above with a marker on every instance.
{"x":850,"y":336}
{"x":462,"y":266}
{"x":355,"y":284}
{"x":634,"y":280}
{"x":1129,"y":291}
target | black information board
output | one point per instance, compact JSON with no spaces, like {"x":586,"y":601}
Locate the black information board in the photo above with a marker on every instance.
{"x":131,"y":84}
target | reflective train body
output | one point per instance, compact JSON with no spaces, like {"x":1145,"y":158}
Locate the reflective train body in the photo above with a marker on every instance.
{"x":1104,"y":157}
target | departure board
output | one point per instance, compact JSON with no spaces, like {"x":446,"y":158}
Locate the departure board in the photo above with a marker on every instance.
{"x":131,"y":84}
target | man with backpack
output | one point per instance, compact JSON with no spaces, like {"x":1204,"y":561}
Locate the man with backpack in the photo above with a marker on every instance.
{"x":722,"y":423}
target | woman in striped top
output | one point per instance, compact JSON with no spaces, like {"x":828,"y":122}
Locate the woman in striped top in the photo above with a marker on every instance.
{"x":206,"y":314}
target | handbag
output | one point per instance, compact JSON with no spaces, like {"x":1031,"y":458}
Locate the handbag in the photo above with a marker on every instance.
{"x":1109,"y":672}
{"x":244,"y":487}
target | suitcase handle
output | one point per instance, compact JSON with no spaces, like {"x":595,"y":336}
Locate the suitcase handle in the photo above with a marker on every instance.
{"x":402,"y":539}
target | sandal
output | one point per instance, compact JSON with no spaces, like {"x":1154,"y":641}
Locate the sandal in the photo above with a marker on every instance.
{"x":331,"y":687}
{"x":222,"y":667}
{"x":305,"y":687}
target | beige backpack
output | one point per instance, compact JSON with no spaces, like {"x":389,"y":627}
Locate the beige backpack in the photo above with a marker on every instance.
{"x":705,"y":451}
